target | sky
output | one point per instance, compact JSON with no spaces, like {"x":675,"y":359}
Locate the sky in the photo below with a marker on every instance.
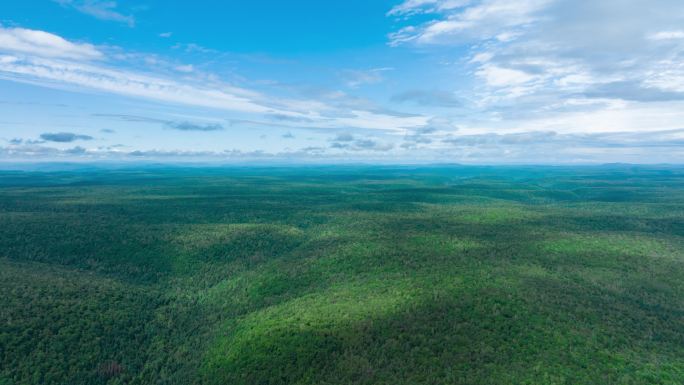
{"x":310,"y":81}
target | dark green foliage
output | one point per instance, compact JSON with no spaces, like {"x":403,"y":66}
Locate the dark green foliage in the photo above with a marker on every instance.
{"x":343,"y":275}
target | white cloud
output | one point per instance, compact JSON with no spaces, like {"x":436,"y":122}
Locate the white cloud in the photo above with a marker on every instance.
{"x":371,"y":120}
{"x":185,"y":68}
{"x":194,"y":48}
{"x":667,"y":35}
{"x":561,"y":80}
{"x":132,"y":84}
{"x":99,"y":9}
{"x":485,"y":19}
{"x":666,"y":75}
{"x":44,"y":44}
{"x":410,"y":7}
{"x":356,"y":78}
{"x":482,"y":57}
{"x":45,"y":59}
{"x":606,"y":116}
{"x":503,"y":77}
{"x":529,"y":59}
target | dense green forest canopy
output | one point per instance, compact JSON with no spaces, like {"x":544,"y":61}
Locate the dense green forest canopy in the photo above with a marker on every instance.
{"x":342,"y":275}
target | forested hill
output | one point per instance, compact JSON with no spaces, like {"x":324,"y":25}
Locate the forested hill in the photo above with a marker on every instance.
{"x":342,"y":275}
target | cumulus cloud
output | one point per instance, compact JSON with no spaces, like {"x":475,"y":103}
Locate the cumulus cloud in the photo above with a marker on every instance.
{"x":36,"y":152}
{"x":551,"y":139}
{"x":521,"y":147}
{"x":78,"y":150}
{"x":351,"y":143}
{"x":313,"y":150}
{"x":436,"y":128}
{"x":413,"y":141}
{"x":64,"y":137}
{"x":537,"y":62}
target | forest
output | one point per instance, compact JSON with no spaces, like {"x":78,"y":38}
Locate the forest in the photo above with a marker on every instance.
{"x":342,"y":275}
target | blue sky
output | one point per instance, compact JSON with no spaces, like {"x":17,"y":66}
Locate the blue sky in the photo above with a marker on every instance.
{"x":413,"y":81}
